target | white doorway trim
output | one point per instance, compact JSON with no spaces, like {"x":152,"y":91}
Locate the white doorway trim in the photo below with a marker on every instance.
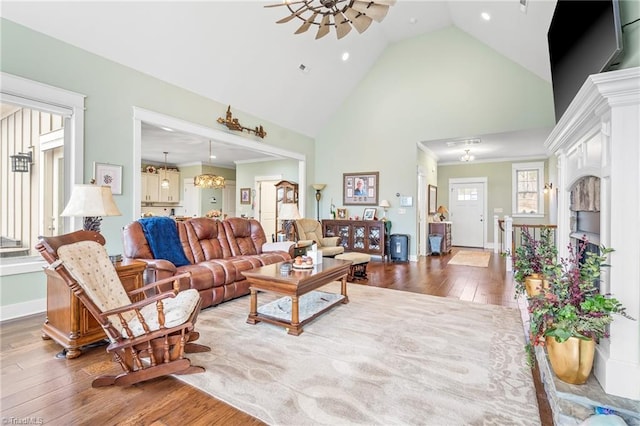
{"x":143,"y":115}
{"x":483,"y":181}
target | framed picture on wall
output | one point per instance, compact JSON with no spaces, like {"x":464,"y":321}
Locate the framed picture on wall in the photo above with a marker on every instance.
{"x":360,"y":188}
{"x":433,"y":199}
{"x":245,"y":195}
{"x":108,"y":175}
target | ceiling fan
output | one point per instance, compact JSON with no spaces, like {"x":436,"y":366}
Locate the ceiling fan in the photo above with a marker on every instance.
{"x":341,"y":14}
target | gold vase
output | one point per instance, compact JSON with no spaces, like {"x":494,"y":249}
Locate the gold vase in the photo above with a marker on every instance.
{"x":571,"y":360}
{"x":534,"y":283}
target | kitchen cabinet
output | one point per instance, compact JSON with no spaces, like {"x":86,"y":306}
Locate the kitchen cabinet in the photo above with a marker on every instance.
{"x":152,"y":191}
{"x":171,"y":194}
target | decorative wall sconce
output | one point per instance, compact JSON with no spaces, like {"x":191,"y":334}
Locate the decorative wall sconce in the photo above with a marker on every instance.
{"x":233,"y":124}
{"x":548,"y":187}
{"x":20,"y":162}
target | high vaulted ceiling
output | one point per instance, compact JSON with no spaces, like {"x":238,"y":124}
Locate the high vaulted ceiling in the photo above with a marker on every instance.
{"x":235,"y":53}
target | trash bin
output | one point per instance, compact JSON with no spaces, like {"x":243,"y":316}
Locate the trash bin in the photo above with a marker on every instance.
{"x":399,"y":247}
{"x":435,"y":243}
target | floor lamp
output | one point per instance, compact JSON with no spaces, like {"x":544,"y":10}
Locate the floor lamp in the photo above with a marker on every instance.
{"x":318,"y":187}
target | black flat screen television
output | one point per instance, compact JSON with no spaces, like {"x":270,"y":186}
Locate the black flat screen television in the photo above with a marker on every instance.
{"x":585,"y":37}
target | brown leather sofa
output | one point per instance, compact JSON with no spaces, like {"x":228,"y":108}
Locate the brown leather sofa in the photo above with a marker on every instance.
{"x":218,"y":252}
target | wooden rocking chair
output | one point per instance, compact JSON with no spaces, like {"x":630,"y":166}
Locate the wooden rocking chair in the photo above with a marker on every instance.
{"x":149,"y":337}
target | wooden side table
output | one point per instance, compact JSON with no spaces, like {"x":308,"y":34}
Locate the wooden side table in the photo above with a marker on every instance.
{"x":68,"y":322}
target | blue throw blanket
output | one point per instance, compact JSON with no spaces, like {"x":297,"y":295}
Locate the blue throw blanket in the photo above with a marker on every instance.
{"x":162,"y":236}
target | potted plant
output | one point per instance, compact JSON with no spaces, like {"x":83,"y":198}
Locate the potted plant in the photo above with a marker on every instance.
{"x":571,"y":316}
{"x":531,"y":258}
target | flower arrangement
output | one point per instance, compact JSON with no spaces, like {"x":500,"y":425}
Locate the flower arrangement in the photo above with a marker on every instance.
{"x":533,"y":256}
{"x":573,"y":306}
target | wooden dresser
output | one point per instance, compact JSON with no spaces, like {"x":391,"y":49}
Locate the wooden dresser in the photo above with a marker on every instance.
{"x":364,"y":236}
{"x":443,"y":229}
{"x":68,"y":322}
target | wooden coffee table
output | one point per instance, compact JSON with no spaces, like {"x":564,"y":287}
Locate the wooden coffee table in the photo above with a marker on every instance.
{"x":295,"y":285}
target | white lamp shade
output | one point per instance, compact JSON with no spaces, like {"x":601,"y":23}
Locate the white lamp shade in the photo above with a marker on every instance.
{"x":289,"y":211}
{"x":318,"y":186}
{"x":91,"y":201}
{"x":385,"y":204}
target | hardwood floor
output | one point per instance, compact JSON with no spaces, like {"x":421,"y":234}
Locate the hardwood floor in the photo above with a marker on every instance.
{"x":48,"y":390}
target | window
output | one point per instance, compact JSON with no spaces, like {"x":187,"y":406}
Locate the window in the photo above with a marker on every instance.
{"x":34,"y":118}
{"x":527,"y":184}
{"x":467,"y":194}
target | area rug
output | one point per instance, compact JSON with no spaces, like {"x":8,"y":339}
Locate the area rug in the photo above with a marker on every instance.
{"x":471,"y":258}
{"x":387,"y":357}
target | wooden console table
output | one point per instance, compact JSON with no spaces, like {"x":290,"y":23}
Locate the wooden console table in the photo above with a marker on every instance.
{"x":364,"y":236}
{"x":68,"y":322}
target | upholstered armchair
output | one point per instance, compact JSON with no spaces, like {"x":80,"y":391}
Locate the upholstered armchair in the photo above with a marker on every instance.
{"x":310,"y":231}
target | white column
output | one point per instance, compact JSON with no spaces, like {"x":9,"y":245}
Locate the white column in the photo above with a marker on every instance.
{"x":496,"y":235}
{"x":508,"y":241}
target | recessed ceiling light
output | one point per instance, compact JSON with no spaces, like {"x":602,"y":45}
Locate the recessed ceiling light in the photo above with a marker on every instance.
{"x":485,"y":16}
{"x":345,"y":56}
{"x":412,"y":20}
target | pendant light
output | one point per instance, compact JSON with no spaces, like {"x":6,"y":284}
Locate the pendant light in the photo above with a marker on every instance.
{"x":165,"y":182}
{"x":208,"y":181}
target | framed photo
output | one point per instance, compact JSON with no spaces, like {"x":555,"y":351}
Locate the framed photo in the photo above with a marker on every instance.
{"x":369,"y":213}
{"x":360,"y":189}
{"x":341,"y":213}
{"x":109,"y":175}
{"x":432,"y":196}
{"x":245,"y":195}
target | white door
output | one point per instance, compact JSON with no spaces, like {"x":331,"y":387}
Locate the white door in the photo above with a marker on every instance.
{"x":466,"y":212}
{"x":191,"y":199}
{"x":266,"y":191}
{"x":229,"y":199}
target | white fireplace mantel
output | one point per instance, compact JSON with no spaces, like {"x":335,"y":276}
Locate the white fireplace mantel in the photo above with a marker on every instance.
{"x":599,"y":135}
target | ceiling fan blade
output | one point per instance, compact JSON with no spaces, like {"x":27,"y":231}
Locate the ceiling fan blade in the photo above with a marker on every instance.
{"x":324,"y":27}
{"x":359,"y":21}
{"x":342,"y":25}
{"x":305,"y":26}
{"x":387,"y":2}
{"x":372,"y":10}
{"x":285,"y":3}
{"x":293,"y":15}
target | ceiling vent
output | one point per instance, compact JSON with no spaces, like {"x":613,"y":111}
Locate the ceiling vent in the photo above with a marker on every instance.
{"x":463,"y":142}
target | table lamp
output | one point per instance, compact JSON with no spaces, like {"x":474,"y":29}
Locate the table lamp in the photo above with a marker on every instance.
{"x":442,"y":210}
{"x":318,"y":187}
{"x":91,"y":202}
{"x":288,"y":213}
{"x":385,"y":206}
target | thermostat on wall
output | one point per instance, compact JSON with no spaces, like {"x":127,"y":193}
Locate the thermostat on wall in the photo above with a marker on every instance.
{"x":406,"y":201}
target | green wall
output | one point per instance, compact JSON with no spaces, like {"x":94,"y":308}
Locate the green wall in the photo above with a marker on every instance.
{"x":499,"y":192}
{"x":112,"y":90}
{"x":439,"y":85}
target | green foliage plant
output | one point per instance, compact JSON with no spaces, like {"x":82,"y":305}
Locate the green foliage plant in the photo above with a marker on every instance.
{"x":573,"y":306}
{"x":533,"y":256}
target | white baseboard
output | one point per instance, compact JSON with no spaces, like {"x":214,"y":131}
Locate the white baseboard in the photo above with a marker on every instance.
{"x":18,"y":310}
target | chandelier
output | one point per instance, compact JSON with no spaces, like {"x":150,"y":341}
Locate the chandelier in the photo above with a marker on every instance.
{"x":466,"y":157}
{"x":208,"y":181}
{"x":341,"y":14}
